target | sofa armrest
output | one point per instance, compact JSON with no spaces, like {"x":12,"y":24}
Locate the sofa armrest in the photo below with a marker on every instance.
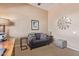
{"x":31,"y":38}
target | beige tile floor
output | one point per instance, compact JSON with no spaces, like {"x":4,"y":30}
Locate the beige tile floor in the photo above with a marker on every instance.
{"x":48,"y":50}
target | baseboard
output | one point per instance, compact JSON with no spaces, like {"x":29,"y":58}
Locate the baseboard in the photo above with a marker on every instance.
{"x":72,"y":48}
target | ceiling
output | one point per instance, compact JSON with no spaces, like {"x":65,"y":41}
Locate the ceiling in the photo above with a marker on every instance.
{"x":45,"y":6}
{"x":10,"y":5}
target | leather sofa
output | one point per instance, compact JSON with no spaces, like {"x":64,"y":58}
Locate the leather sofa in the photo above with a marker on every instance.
{"x":38,"y":39}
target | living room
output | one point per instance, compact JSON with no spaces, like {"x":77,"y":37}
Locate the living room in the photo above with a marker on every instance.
{"x":57,"y":21}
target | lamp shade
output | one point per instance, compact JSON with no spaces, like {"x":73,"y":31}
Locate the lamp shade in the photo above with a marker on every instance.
{"x":5,"y":22}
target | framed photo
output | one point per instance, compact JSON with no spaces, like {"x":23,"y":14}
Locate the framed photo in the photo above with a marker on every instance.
{"x":35,"y":25}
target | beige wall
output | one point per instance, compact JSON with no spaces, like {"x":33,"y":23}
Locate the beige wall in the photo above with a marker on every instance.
{"x":22,"y":16}
{"x":71,"y":34}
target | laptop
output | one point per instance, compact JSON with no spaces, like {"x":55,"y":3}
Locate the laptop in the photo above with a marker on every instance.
{"x":2,"y":50}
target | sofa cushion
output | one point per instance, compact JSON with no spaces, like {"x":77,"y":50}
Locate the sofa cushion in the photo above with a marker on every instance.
{"x":43,"y":36}
{"x":31,"y":36}
{"x":40,"y":41}
{"x":37,"y":35}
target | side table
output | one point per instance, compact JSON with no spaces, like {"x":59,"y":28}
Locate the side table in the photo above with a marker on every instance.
{"x":25,"y":39}
{"x":51,"y":38}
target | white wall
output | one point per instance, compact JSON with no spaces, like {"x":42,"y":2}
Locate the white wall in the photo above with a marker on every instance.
{"x":71,"y":34}
{"x":22,"y":16}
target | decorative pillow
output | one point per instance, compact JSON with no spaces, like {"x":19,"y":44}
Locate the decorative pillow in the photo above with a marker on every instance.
{"x":31,"y":36}
{"x":37,"y":35}
{"x":43,"y":36}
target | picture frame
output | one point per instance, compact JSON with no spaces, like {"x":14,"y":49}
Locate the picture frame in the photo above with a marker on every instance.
{"x":34,"y":24}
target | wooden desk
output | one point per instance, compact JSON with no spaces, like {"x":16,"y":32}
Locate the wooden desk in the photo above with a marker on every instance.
{"x":9,"y":45}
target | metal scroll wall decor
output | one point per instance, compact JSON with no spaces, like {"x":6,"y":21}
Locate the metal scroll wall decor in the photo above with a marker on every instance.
{"x":63,"y":23}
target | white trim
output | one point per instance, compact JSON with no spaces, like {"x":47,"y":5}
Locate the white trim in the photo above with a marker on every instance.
{"x":72,"y":48}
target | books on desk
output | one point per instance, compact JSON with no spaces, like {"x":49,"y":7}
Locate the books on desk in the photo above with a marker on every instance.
{"x":2,"y":50}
